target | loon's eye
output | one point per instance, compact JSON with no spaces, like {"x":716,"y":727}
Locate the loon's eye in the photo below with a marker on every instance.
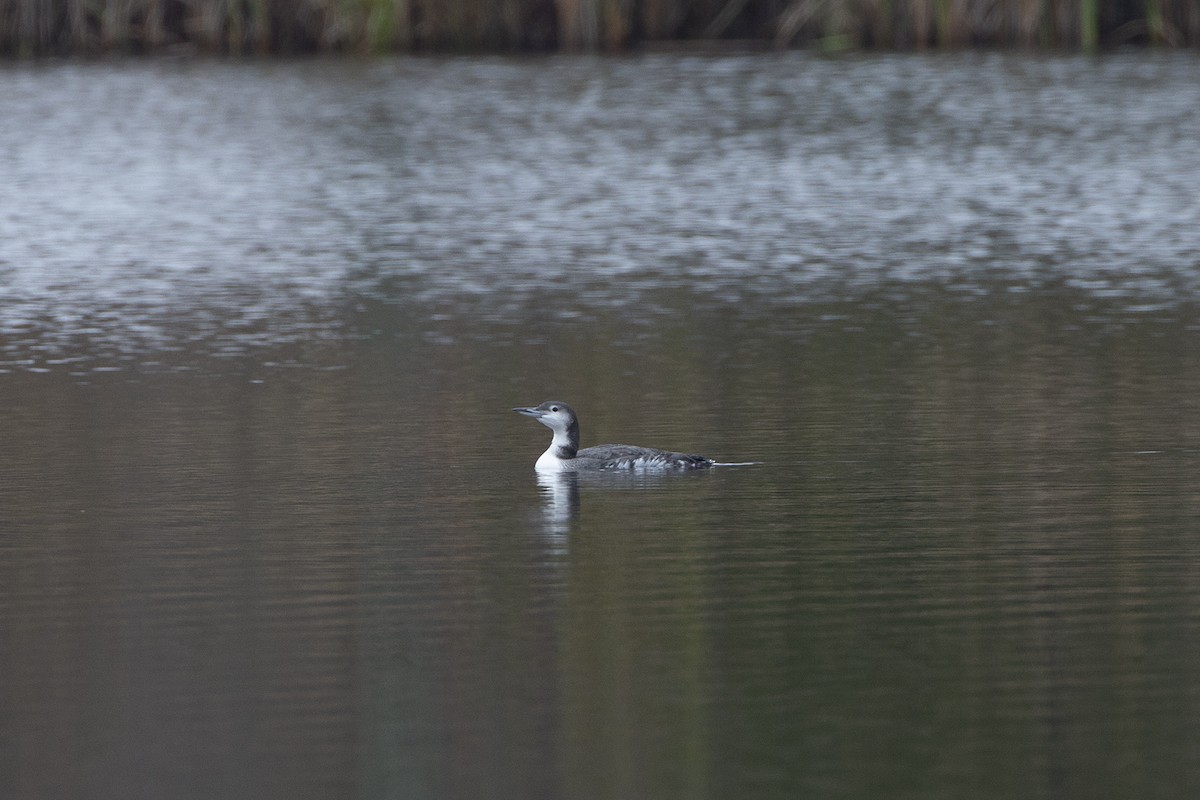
{"x":554,"y":408}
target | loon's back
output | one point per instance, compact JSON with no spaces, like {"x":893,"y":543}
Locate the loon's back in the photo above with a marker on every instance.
{"x":626,"y":456}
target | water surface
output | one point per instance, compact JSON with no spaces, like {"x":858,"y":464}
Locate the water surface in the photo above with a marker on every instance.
{"x":270,"y":529}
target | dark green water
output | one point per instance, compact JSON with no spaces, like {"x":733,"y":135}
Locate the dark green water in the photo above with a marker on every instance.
{"x":268,"y":529}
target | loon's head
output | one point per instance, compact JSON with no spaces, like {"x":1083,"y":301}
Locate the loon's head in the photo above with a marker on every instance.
{"x":554,"y":415}
{"x":560,"y":418}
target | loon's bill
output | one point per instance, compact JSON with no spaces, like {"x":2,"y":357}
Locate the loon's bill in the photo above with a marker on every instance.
{"x":564,"y":454}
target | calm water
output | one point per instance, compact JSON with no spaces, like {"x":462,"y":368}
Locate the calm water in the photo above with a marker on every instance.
{"x":270,"y":531}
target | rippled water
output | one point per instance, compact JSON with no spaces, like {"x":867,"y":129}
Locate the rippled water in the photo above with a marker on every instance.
{"x":241,"y":204}
{"x":270,"y":530}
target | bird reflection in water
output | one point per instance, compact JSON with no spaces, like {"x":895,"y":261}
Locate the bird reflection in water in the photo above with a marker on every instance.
{"x":560,"y":506}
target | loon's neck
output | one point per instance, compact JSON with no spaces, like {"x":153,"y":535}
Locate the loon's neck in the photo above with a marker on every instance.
{"x":562,"y":449}
{"x":565,"y":443}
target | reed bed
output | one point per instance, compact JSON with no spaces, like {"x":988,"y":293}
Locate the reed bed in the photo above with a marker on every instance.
{"x":87,"y":27}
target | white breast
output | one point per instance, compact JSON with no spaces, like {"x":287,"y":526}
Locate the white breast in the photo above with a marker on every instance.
{"x":549,"y":462}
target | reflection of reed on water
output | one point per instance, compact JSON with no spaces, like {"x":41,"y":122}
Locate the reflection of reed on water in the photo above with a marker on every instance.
{"x":30,"y":27}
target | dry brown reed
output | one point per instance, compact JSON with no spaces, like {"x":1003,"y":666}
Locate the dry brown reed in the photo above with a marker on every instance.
{"x":37,"y":27}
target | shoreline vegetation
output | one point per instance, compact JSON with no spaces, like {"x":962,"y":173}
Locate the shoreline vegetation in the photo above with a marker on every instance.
{"x":33,"y":28}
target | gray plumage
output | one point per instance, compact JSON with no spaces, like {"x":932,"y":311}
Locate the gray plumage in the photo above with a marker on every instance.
{"x":564,"y":453}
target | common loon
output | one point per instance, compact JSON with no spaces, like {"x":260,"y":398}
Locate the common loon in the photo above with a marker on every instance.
{"x":564,"y":454}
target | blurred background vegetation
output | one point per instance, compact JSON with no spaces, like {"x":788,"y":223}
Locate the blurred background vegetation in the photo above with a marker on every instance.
{"x":88,"y":27}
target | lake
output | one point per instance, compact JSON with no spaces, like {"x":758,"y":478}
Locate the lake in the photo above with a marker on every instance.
{"x":270,"y":529}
